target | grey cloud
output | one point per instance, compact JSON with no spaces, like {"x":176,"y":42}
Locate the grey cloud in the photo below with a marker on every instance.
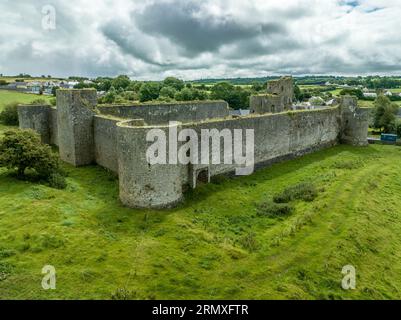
{"x":262,"y":46}
{"x":186,"y":25}
{"x":129,"y":44}
{"x":193,"y":39}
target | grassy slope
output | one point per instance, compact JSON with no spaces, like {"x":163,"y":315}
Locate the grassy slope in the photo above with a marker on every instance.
{"x":12,"y":96}
{"x":198,"y":250}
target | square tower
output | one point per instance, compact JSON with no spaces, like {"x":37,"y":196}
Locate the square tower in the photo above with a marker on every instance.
{"x":75,"y":112}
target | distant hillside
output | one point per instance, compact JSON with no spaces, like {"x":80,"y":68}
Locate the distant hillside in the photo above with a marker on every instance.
{"x":301,"y":80}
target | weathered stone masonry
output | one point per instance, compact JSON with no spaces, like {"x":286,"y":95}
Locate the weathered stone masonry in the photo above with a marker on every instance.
{"x":115,"y":136}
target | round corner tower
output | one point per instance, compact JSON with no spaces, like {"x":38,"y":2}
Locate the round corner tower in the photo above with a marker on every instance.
{"x":142,"y":184}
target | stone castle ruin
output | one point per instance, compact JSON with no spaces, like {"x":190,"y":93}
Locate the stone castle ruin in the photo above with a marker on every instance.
{"x":279,"y":97}
{"x":114,"y":136}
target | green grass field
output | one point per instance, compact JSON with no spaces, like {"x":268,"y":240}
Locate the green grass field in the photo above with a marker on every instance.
{"x":370,"y":104}
{"x":214,"y":246}
{"x":310,"y":86}
{"x":12,"y":96}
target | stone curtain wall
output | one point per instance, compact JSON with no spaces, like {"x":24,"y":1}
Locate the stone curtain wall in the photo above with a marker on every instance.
{"x":105,"y":135}
{"x":155,"y":114}
{"x":281,"y":135}
{"x":266,"y":103}
{"x":36,"y":117}
{"x":276,"y":136}
{"x":42,"y":119}
{"x":84,"y":137}
{"x":53,"y":127}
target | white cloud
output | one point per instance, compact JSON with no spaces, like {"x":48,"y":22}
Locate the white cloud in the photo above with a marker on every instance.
{"x":192,"y":39}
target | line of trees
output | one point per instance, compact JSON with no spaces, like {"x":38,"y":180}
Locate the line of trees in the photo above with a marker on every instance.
{"x":121,"y":89}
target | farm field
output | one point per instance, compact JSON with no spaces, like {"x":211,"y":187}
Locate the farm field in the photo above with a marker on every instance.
{"x":7,"y":97}
{"x":215,"y":245}
{"x":370,"y":104}
{"x":310,"y":86}
{"x":13,"y":79}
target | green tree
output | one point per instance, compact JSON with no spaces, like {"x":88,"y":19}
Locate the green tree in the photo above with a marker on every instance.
{"x":236,"y":97}
{"x":185,"y":94}
{"x":199,"y":94}
{"x":110,"y":96}
{"x":384,"y":114}
{"x":9,"y":115}
{"x":168,"y":92}
{"x":257,"y":86}
{"x":23,"y":149}
{"x":54,"y":89}
{"x":222,"y":90}
{"x":134,"y":86}
{"x":121,"y":82}
{"x":352,"y":92}
{"x":149,"y":91}
{"x":298,"y":93}
{"x":176,"y":83}
{"x":104,"y":85}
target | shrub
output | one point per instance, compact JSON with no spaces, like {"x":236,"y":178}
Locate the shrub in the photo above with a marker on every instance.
{"x":9,"y":116}
{"x":5,"y":270}
{"x":6,"y":253}
{"x":272,"y":209}
{"x":110,"y":97}
{"x":123,"y":294}
{"x":40,"y":102}
{"x":302,"y":191}
{"x":349,"y":165}
{"x":23,"y":149}
{"x":249,"y":242}
{"x":57,"y":181}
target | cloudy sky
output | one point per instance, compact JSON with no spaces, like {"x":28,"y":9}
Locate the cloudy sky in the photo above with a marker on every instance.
{"x":152,"y":39}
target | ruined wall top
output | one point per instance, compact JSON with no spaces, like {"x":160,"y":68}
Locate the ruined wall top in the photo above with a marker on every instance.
{"x":162,"y":113}
{"x":282,"y":86}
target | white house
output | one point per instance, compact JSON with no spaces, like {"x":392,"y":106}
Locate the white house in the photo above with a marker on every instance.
{"x":72,"y":84}
{"x":370,"y":94}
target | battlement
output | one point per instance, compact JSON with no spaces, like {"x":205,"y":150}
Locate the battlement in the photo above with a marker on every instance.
{"x":118,"y":137}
